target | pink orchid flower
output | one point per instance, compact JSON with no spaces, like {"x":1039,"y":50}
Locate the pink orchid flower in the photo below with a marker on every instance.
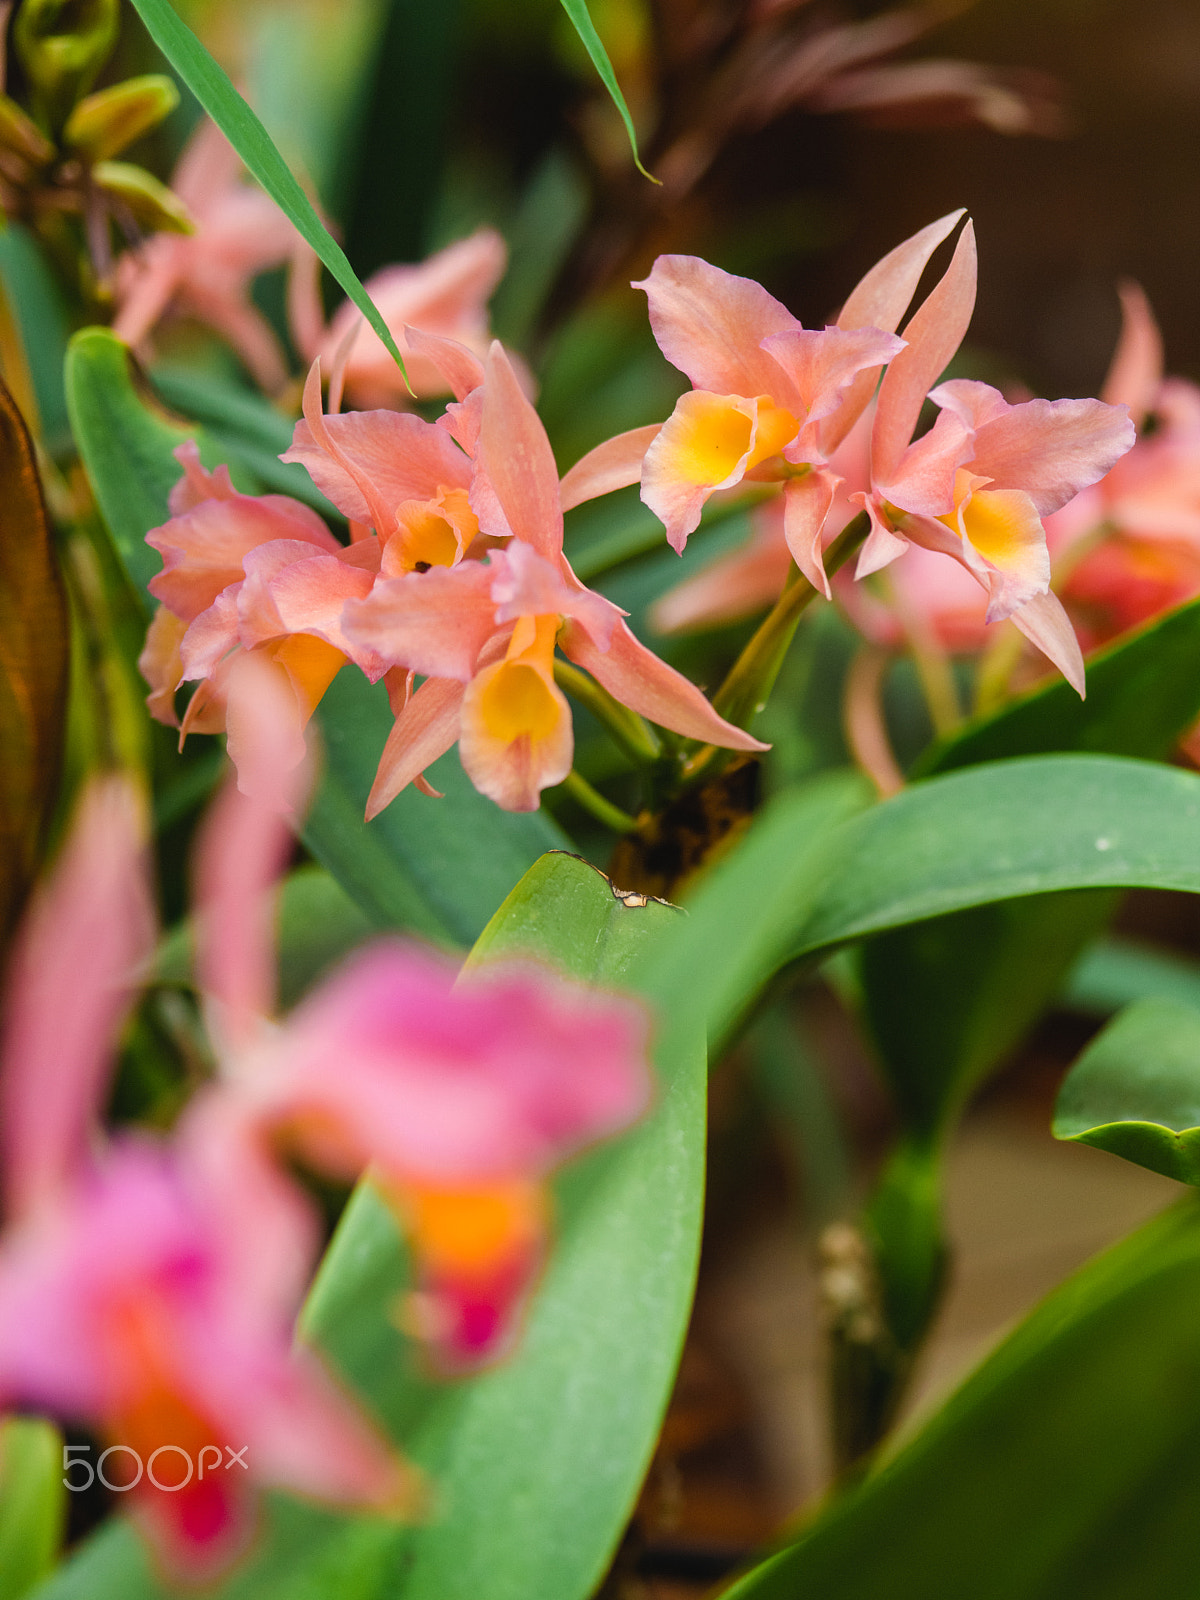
{"x":247,"y":572}
{"x":771,"y":400}
{"x":484,"y":636}
{"x":1131,"y":543}
{"x":445,"y":295}
{"x":460,"y":1094}
{"x":149,"y":1290}
{"x":240,"y":232}
{"x":977,"y":485}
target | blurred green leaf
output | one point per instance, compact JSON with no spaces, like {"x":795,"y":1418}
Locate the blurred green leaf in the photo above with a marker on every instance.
{"x":37,"y":302}
{"x":581,"y":21}
{"x":35,"y":660}
{"x":32,"y":1503}
{"x":1065,"y":1465}
{"x":210,"y":84}
{"x":1116,"y":972}
{"x":536,"y":1463}
{"x":126,"y":445}
{"x":1135,"y":1090}
{"x":437,"y":867}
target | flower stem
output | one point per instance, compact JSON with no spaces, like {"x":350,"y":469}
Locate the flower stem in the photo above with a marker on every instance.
{"x":581,"y":791}
{"x":750,"y":680}
{"x":632,"y":734}
{"x":862,"y":718}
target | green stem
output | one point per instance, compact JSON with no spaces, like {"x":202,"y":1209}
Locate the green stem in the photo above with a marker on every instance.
{"x":581,"y":791}
{"x":633,"y":734}
{"x":750,"y":680}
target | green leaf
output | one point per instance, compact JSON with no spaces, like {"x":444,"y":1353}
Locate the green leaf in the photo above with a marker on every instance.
{"x":536,"y":1463}
{"x":437,"y":867}
{"x":32,"y":1503}
{"x":946,"y":1001}
{"x":126,"y":445}
{"x":34,"y":662}
{"x":212,"y":88}
{"x":1116,"y":972}
{"x":37,"y":301}
{"x":1135,"y":1090}
{"x":582,"y":22}
{"x":808,"y":877}
{"x":1065,"y":1465}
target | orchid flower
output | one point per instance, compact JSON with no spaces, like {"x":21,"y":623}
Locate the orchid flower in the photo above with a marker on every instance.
{"x":446,"y":294}
{"x":459,"y":1094}
{"x":771,"y":400}
{"x":1145,"y":514}
{"x":239,"y":232}
{"x":484,"y":636}
{"x":247,"y":572}
{"x":977,"y":485}
{"x":148,"y":1290}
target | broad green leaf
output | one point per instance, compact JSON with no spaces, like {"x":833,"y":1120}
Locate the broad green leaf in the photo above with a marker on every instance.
{"x":1065,"y":1465}
{"x":32,"y":1503}
{"x":807,"y":878}
{"x":536,"y":1463}
{"x":126,"y":445}
{"x":1135,"y":1090}
{"x":1116,"y":972}
{"x":946,"y":1001}
{"x":34,"y":663}
{"x":581,"y":21}
{"x":210,"y":84}
{"x":438,"y":867}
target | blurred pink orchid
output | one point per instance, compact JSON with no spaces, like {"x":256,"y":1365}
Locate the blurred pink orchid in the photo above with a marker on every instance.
{"x":1131,"y":543}
{"x":240,"y":232}
{"x":460,"y":1094}
{"x":447,"y":295}
{"x":149,"y":1290}
{"x":484,"y":636}
{"x":976,"y":486}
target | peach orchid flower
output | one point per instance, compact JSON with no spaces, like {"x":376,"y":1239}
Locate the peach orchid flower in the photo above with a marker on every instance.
{"x":147,"y":1289}
{"x":239,"y":232}
{"x":247,"y":572}
{"x":977,"y":485}
{"x":484,"y":636}
{"x":447,"y":295}
{"x":459,"y":1093}
{"x":771,"y":400}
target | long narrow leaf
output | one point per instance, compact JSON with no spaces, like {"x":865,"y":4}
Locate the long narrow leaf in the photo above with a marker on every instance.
{"x":582,"y":22}
{"x":210,"y":84}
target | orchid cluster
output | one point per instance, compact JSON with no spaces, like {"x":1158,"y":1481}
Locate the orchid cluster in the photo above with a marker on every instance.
{"x":455,"y":571}
{"x":148,"y":1288}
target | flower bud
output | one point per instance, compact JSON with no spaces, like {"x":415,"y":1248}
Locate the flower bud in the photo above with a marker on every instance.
{"x":62,"y":44}
{"x":105,"y":122}
{"x":22,"y":135}
{"x":151,"y":204}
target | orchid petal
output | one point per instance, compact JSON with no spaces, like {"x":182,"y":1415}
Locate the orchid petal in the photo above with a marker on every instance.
{"x":638,"y":679}
{"x":882,"y":545}
{"x":526,"y":585}
{"x":461,"y":368}
{"x":516,"y":737}
{"x":515,"y":455}
{"x":925,"y":475}
{"x":161,"y":665}
{"x":71,"y":981}
{"x":821,"y":364}
{"x":423,"y":731}
{"x":706,"y":444}
{"x":1136,"y":372}
{"x":1052,"y":448}
{"x":615,"y":464}
{"x":806,"y":503}
{"x":711,"y":324}
{"x":1045,"y":624}
{"x":434,"y":622}
{"x":971,"y":401}
{"x":932,"y":336}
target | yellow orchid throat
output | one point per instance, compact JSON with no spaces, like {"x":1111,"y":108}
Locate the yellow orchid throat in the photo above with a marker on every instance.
{"x":715,"y":433}
{"x":518,"y":699}
{"x":432,"y":533}
{"x":1001,"y":524}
